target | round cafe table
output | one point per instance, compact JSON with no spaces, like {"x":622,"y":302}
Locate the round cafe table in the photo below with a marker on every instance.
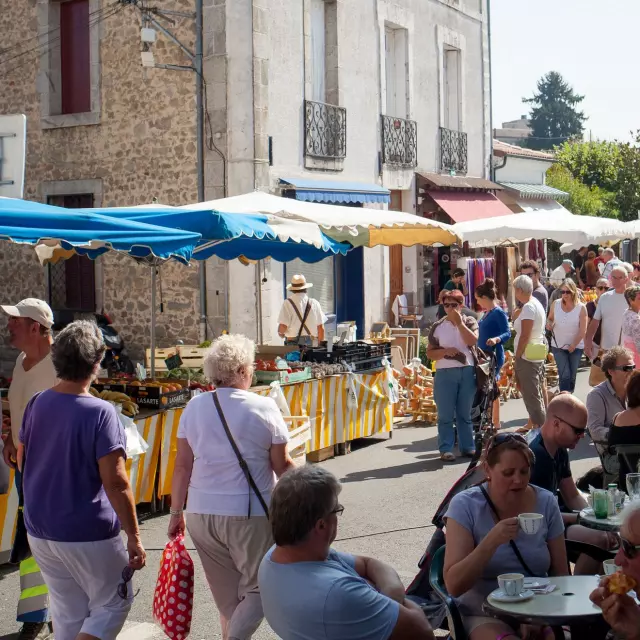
{"x":588,"y":519}
{"x":568,"y":604}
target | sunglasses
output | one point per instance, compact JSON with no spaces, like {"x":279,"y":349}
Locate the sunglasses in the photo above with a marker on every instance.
{"x":123,"y":590}
{"x":339,"y":510}
{"x":501,"y":438}
{"x":624,"y":367}
{"x":602,"y":288}
{"x":629,"y":550}
{"x":527,"y":273}
{"x":451,"y":305}
{"x":577,"y":430}
{"x":566,"y":293}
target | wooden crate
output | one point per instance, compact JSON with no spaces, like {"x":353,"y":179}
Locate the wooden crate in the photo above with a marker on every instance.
{"x":321,"y":454}
{"x":192,"y":355}
{"x":160,"y":356}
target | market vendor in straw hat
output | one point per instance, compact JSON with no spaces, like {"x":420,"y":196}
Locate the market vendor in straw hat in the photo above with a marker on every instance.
{"x":301,"y":319}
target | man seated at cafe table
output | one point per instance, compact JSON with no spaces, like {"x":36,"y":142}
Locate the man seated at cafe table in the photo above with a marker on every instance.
{"x":622,"y":612}
{"x":564,"y":427}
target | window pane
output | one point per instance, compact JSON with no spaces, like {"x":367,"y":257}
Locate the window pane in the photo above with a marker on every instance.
{"x":75,"y":56}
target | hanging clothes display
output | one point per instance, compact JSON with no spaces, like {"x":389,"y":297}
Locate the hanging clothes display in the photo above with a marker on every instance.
{"x":478,"y":269}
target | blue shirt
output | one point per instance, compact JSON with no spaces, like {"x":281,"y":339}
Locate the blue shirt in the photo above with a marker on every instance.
{"x":470,"y":510}
{"x":324,"y":601}
{"x":64,"y":436}
{"x":547,"y":472}
{"x":494,"y":324}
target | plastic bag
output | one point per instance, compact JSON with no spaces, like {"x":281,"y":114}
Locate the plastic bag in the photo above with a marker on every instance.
{"x":136,"y":444}
{"x":173,"y":598}
{"x":275,"y":392}
{"x":352,"y":396}
{"x":390,"y":385}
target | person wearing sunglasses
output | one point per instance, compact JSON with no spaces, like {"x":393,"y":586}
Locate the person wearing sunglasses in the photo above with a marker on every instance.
{"x":622,"y":612}
{"x":482,"y":526}
{"x":625,"y":428}
{"x":568,"y":325}
{"x":605,"y":401}
{"x":608,"y":316}
{"x":631,"y":323}
{"x":450,"y":343}
{"x":310,"y":590}
{"x":77,"y":494}
{"x":564,"y":427}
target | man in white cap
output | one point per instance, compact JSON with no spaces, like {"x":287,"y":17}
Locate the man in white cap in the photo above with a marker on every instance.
{"x":29,"y":325}
{"x":301,"y":318}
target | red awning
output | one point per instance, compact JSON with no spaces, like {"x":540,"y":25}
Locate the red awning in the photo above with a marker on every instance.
{"x":465,"y":206}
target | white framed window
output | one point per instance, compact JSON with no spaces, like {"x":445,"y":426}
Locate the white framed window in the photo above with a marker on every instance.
{"x":318,"y":51}
{"x":396,"y":71}
{"x":452,"y":90}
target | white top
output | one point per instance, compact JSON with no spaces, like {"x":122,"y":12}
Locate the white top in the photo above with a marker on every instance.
{"x":558,"y":276}
{"x":218,"y":485}
{"x":289,"y":318}
{"x":570,"y":599}
{"x":532,"y":310}
{"x":449,"y":337}
{"x":25,"y":385}
{"x":609,"y":267}
{"x":609,"y":312}
{"x":566,"y":325}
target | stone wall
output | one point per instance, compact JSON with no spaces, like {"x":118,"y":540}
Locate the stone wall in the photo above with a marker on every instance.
{"x":143,"y":147}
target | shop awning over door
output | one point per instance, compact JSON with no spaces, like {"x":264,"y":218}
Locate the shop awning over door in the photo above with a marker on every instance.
{"x":466,"y":206}
{"x":335,"y":191}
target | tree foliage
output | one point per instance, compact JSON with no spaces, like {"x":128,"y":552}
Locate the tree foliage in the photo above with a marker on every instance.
{"x":554,"y":115}
{"x":583,"y":199}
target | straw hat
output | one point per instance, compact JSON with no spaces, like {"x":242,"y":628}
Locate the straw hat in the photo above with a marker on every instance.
{"x":299,"y":283}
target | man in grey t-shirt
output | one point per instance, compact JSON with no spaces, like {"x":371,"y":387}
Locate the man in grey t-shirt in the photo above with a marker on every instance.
{"x":530,"y":268}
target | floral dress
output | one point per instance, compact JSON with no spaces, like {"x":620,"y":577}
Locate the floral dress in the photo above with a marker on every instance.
{"x":631,"y":334}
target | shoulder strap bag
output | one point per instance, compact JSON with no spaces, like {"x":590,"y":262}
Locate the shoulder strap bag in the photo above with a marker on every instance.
{"x":303,"y":319}
{"x":514,"y":546}
{"x":241,"y":461}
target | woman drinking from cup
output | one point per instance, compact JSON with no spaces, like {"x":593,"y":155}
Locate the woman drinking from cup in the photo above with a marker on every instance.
{"x":484,"y":521}
{"x":450,"y":342}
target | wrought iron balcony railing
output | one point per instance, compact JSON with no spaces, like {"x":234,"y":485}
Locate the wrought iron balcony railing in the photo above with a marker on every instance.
{"x":325,"y":130}
{"x":399,"y":142}
{"x":453,"y":150}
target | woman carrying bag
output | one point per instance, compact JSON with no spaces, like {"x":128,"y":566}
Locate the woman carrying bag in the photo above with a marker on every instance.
{"x":567,"y":322}
{"x":231,"y":446}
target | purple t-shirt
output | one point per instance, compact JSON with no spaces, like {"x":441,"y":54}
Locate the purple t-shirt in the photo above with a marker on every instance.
{"x":64,"y":437}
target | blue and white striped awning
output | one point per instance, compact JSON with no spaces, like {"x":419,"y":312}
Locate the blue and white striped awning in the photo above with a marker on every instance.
{"x":541,"y":191}
{"x":334,"y":191}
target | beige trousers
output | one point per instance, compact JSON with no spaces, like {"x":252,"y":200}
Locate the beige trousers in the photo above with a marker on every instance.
{"x":231,"y":549}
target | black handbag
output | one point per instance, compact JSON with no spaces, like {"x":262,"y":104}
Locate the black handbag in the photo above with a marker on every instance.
{"x":20,"y":550}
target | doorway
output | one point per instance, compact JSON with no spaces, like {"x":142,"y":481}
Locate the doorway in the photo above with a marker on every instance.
{"x":395,"y":261}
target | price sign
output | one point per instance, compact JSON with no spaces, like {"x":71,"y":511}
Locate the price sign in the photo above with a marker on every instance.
{"x":173,"y":362}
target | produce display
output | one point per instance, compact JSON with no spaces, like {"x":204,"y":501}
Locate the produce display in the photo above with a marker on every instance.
{"x":319,"y":370}
{"x":129,"y":407}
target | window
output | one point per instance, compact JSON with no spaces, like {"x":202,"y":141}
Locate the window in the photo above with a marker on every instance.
{"x":72,"y":282}
{"x":396,"y":71}
{"x":322,"y":275}
{"x":318,"y":51}
{"x":75,"y":77}
{"x":452,"y":88}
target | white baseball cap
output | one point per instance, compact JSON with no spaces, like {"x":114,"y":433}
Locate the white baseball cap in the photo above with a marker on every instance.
{"x":38,"y":310}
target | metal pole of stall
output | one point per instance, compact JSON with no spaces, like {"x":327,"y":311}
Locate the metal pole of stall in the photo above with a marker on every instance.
{"x":153,"y":321}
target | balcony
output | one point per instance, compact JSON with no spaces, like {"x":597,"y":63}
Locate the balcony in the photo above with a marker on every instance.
{"x":453,"y":151}
{"x":399,"y":142}
{"x":325,"y":130}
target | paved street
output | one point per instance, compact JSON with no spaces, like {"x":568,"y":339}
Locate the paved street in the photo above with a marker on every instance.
{"x":391,"y":489}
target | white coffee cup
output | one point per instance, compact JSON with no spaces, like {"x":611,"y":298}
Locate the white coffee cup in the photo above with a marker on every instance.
{"x":530,"y":522}
{"x":511,"y":584}
{"x":610,"y":567}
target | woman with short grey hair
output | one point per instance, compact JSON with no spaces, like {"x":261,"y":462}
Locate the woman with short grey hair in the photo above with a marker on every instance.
{"x":530,"y":350}
{"x":228,"y":502}
{"x":77,"y":494}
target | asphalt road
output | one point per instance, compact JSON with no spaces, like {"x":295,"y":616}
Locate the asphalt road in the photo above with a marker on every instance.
{"x":391,"y":488}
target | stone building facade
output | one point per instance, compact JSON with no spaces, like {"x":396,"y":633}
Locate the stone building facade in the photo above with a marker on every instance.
{"x":136,"y":142}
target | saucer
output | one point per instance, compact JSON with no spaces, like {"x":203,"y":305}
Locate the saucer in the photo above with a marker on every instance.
{"x":499,"y":596}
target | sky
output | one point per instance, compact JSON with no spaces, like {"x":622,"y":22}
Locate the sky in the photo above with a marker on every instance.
{"x":594,"y":44}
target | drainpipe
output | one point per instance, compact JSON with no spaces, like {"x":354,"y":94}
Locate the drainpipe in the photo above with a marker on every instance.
{"x":492,"y":173}
{"x":197,"y":63}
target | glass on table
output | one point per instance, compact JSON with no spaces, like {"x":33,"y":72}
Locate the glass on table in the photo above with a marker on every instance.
{"x":633,"y":486}
{"x":600,"y":503}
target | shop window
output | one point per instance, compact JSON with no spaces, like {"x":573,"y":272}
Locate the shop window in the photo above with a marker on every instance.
{"x":72,"y":282}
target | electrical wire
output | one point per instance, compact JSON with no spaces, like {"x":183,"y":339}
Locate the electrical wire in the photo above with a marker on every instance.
{"x":91,"y":16}
{"x":52,"y":46}
{"x":210,"y":142}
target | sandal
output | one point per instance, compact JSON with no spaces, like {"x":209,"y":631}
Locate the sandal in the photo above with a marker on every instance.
{"x":447,"y":457}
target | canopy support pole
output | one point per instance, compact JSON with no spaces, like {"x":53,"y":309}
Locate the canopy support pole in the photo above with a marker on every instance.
{"x":153,"y":321}
{"x":197,"y":65}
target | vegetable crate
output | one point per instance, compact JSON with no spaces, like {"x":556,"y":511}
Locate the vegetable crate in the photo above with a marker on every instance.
{"x":283,"y":377}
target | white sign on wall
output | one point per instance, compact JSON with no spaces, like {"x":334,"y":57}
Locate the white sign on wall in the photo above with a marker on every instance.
{"x":13,"y":144}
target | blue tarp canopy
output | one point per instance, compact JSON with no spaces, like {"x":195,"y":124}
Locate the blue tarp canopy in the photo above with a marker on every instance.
{"x":334,"y":191}
{"x":230,"y":235}
{"x":91,"y":234}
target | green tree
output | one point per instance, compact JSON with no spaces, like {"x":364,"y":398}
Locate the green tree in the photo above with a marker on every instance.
{"x":554,"y":115}
{"x":583,"y":200}
{"x":628,"y":182}
{"x":596,"y":164}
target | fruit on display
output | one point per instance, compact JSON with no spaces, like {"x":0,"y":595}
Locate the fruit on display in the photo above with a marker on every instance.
{"x":129,"y":407}
{"x":166,"y":387}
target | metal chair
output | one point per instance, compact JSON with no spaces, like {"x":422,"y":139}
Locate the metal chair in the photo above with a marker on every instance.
{"x":406,"y":312}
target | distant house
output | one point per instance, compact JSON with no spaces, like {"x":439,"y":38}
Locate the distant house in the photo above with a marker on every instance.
{"x":514,"y":131}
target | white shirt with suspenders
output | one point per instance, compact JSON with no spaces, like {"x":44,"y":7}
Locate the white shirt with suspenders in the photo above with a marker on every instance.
{"x":293,"y":312}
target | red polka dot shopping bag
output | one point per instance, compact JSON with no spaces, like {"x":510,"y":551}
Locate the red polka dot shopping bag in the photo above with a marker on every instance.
{"x":173,"y":599}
